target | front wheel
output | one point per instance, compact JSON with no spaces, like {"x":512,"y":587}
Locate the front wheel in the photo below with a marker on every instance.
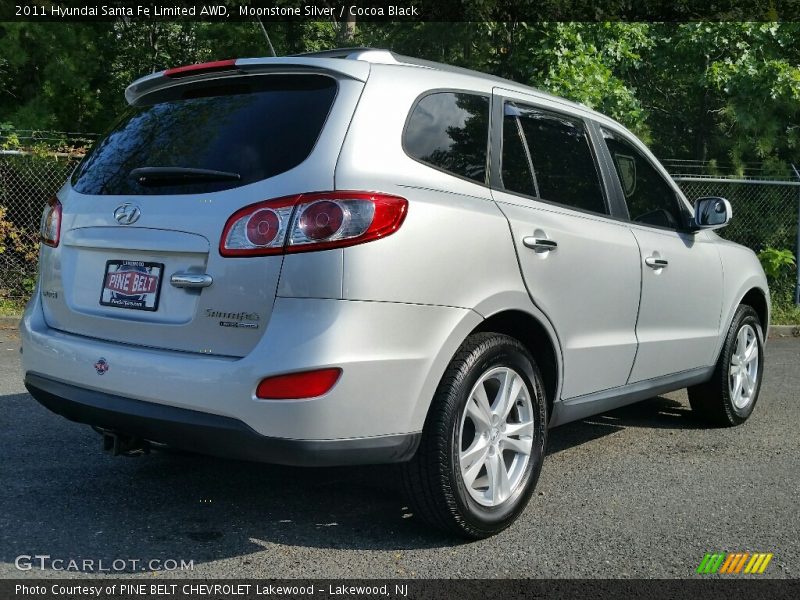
{"x":730,"y":396}
{"x":483,"y":441}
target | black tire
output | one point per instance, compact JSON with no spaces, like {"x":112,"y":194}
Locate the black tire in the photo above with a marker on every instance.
{"x":712,"y":401}
{"x":432,"y":479}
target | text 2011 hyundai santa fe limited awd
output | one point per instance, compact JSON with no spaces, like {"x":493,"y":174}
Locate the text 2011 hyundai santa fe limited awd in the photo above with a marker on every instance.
{"x":359,"y":257}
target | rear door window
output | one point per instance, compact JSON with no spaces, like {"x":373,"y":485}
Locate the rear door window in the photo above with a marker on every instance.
{"x":450,"y":131}
{"x":549,"y":156}
{"x":249,"y":130}
{"x":516,"y":171}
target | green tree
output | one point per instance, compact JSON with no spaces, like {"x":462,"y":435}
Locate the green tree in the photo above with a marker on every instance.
{"x":722,"y":92}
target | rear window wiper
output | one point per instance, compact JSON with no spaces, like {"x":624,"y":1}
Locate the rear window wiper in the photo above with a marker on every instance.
{"x":153,"y":176}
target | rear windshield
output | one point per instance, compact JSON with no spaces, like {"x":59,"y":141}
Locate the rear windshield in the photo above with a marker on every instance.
{"x":247,"y":129}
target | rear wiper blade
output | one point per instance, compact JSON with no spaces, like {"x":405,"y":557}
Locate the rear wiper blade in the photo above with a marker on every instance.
{"x":179,"y":175}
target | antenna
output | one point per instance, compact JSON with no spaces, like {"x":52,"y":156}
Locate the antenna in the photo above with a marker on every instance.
{"x":266,"y":35}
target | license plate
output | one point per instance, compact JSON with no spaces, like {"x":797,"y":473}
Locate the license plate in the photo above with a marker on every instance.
{"x":132,"y":284}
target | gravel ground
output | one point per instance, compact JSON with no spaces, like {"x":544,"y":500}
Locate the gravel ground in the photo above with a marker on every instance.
{"x":642,"y":491}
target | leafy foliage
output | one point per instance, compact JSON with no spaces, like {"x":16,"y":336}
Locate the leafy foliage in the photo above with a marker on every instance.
{"x":18,"y":241}
{"x":724,"y":91}
{"x":776,"y":262}
{"x":779,"y":266}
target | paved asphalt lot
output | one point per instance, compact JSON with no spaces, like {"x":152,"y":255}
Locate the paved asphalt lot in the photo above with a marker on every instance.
{"x":639,"y":492}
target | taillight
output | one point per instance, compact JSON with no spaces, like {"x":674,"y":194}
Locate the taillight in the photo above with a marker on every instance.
{"x":296,"y":386}
{"x":50,"y":226}
{"x":199,"y":69}
{"x":320,"y":220}
{"x":258,"y":229}
{"x":311,"y":222}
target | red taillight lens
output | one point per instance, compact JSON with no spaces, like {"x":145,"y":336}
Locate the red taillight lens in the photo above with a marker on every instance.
{"x":296,"y":386}
{"x":259,"y":229}
{"x":321,"y":220}
{"x":263,"y":227}
{"x":312,"y":222}
{"x":199,"y":69}
{"x":50,"y":227}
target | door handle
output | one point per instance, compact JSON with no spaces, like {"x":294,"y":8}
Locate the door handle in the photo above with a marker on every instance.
{"x":656,"y":263}
{"x":539,"y":244}
{"x":191,"y":280}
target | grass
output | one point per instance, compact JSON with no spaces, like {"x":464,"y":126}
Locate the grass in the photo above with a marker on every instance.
{"x":784,"y":310}
{"x":785,"y":314}
{"x":11,"y":307}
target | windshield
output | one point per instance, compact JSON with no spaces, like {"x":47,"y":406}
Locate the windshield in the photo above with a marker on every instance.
{"x":251,"y":128}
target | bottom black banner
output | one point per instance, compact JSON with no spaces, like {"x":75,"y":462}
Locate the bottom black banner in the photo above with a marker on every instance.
{"x":508,"y":589}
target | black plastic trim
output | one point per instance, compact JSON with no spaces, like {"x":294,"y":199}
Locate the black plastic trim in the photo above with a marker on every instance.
{"x":580,"y":407}
{"x":207,"y":433}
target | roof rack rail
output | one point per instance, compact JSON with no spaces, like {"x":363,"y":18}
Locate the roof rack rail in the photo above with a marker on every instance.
{"x":383,"y":56}
{"x":371,"y":55}
{"x":340,"y":52}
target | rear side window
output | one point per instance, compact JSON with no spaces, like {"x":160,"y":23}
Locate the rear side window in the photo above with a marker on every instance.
{"x":252,"y":129}
{"x":517,"y":172}
{"x":556,"y":161}
{"x":450,"y":131}
{"x":651,"y":200}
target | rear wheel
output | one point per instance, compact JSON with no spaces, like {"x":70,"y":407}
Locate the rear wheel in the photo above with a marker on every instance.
{"x":730,"y":396}
{"x":483,"y":442}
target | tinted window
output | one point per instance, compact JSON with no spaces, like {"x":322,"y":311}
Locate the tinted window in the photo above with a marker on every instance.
{"x":450,"y":131}
{"x":255,"y":129}
{"x":516,"y":166}
{"x":651,"y":200}
{"x":564,"y":170}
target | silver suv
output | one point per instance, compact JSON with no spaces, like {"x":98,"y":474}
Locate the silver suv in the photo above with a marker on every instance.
{"x":359,"y":257}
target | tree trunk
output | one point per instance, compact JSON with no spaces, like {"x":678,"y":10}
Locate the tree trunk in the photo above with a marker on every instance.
{"x":349,"y":32}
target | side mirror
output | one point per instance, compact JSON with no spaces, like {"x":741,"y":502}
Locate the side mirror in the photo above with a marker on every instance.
{"x":711,"y":213}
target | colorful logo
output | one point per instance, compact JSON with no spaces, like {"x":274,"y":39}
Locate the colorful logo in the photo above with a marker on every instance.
{"x":734,"y":563}
{"x":101,"y":366}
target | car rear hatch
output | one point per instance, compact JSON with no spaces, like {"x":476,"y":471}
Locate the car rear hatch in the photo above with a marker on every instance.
{"x":138,"y":259}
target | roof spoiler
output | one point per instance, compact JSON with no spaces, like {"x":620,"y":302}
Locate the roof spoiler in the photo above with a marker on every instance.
{"x":353,"y":69}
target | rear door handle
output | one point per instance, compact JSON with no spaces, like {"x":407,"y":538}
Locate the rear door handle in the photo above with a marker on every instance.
{"x":191,"y":280}
{"x":539,"y":244}
{"x":656,"y":263}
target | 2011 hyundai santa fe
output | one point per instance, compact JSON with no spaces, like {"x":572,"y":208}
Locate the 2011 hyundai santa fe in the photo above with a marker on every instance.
{"x":359,"y":257}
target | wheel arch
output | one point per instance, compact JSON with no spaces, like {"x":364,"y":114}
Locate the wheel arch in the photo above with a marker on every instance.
{"x":753,"y":293}
{"x":511,"y":313}
{"x":757,"y":299}
{"x":537,"y":339}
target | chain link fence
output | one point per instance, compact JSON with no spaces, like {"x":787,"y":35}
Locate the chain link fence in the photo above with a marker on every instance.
{"x":765,"y":210}
{"x":27,"y":181}
{"x":766,"y":214}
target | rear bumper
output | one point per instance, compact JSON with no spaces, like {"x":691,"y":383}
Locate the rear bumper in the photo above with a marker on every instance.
{"x":391,"y":355}
{"x":210,"y":434}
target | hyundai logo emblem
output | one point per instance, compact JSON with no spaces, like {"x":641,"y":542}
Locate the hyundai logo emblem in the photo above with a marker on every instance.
{"x":127,"y":214}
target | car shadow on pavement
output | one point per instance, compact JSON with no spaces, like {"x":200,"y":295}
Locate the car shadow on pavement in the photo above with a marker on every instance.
{"x":654,"y":413}
{"x":60,"y":495}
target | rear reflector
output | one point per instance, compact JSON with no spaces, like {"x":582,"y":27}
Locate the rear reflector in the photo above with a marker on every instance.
{"x":199,"y":69}
{"x":297,"y":386}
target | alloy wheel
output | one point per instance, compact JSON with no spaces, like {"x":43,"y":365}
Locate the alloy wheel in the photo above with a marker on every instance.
{"x":743,"y":371}
{"x":496,"y":436}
